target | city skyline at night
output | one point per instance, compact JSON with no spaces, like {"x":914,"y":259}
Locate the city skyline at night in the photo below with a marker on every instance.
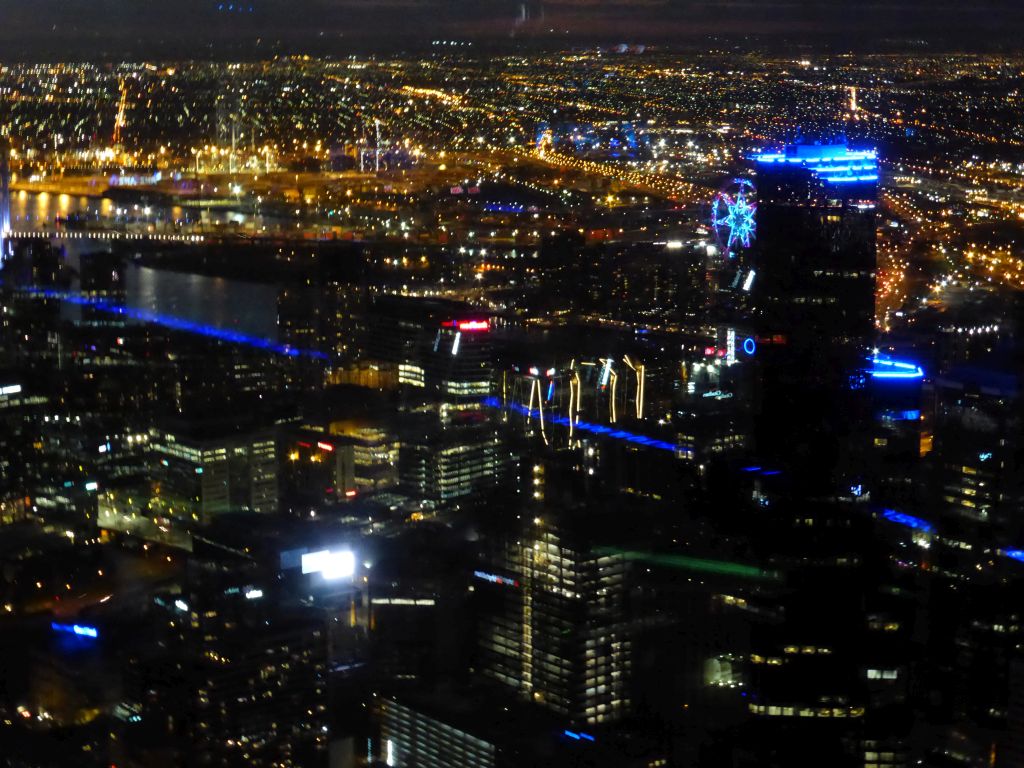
{"x":426,"y":384}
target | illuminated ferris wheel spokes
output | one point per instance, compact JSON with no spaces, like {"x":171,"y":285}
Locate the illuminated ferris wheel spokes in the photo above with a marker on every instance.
{"x":733,"y":215}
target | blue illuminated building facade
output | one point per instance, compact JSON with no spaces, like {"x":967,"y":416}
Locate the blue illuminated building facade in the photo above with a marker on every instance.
{"x":883,"y":368}
{"x":830,"y":164}
{"x":813,"y":303}
{"x":815,"y":265}
{"x":900,"y":428}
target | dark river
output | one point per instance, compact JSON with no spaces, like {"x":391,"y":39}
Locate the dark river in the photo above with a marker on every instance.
{"x":245,"y":307}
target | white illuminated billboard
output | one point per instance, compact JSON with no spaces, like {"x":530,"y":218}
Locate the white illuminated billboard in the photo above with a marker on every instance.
{"x":333,"y":565}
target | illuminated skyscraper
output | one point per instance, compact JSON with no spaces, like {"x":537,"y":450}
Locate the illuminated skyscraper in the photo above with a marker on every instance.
{"x":815,"y":267}
{"x":558,"y":633}
{"x":208,"y":471}
{"x":978,"y":474}
{"x":235,"y":679}
{"x":813,"y":292}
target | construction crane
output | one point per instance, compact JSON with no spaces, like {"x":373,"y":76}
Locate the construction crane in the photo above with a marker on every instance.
{"x":119,"y":120}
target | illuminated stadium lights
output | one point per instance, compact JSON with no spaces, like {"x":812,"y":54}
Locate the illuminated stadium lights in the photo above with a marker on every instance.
{"x":909,"y":521}
{"x":176,"y":323}
{"x":331,"y":565}
{"x":885,"y":368}
{"x":80,"y":630}
{"x":596,"y":429}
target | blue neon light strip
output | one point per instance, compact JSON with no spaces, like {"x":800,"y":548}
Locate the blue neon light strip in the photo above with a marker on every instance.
{"x":884,"y":368}
{"x":836,"y":165}
{"x":577,"y":736}
{"x":848,"y":179}
{"x":1015,"y":554}
{"x":176,"y":323}
{"x":845,"y":155}
{"x":75,"y":629}
{"x":900,"y":518}
{"x":595,"y":429}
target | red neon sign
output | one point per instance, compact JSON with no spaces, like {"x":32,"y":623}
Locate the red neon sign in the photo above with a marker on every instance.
{"x":325,"y":447}
{"x":467,"y":326}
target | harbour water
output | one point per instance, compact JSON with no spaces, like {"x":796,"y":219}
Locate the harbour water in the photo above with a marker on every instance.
{"x":236,"y":305}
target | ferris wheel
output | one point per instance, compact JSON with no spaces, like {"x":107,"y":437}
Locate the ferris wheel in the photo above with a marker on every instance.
{"x":733,"y":215}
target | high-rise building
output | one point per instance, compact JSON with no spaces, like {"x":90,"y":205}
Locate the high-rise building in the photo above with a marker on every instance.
{"x":411,"y":737}
{"x":204,"y":472}
{"x":478,"y":727}
{"x":812,"y":286}
{"x":976,"y":459}
{"x":447,"y":455}
{"x":236,"y":679}
{"x":439,"y":347}
{"x":556,"y":630}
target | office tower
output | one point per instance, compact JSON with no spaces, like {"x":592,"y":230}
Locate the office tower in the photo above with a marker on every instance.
{"x":333,"y":467}
{"x":479,"y":727}
{"x":443,"y":352}
{"x":449,"y":455}
{"x":21,"y":415}
{"x":978,"y":477}
{"x":237,"y":680}
{"x":440,"y":347}
{"x":102,"y":278}
{"x":556,"y":629}
{"x":811,"y":283}
{"x":814,"y":275}
{"x":902,"y":434}
{"x":206,"y":470}
{"x":712,"y":412}
{"x":412,"y":737}
{"x":324,"y":316}
{"x":205,"y":378}
{"x":830,"y":644}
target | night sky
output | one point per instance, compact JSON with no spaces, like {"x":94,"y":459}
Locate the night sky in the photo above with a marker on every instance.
{"x":47,"y":29}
